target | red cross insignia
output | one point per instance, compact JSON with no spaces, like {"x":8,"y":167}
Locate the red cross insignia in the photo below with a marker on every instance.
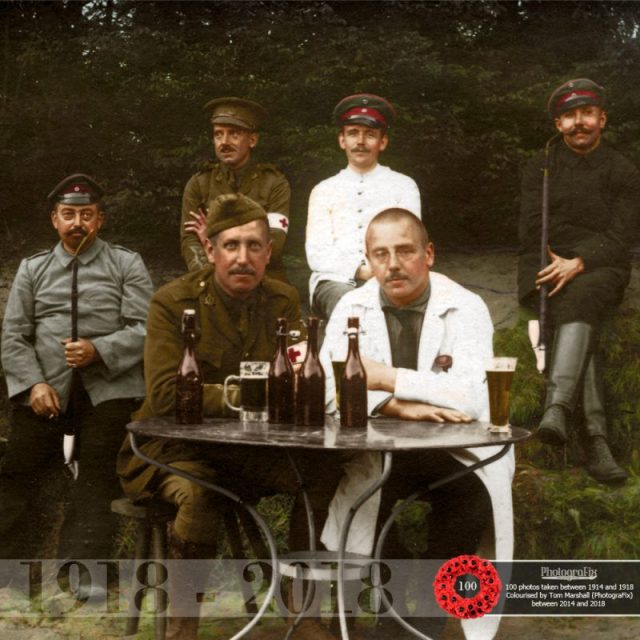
{"x":284,"y":223}
{"x":293,"y":354}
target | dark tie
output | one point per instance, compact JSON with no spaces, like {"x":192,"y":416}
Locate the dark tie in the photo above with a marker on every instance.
{"x":405,"y":354}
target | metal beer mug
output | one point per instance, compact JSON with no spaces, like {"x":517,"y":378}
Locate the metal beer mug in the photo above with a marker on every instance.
{"x":253,"y":391}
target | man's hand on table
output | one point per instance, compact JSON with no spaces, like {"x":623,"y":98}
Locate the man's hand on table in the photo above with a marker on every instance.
{"x":407,"y":410}
{"x":380,"y":377}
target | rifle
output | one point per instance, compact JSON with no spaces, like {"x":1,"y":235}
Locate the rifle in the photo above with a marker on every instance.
{"x":538,"y":328}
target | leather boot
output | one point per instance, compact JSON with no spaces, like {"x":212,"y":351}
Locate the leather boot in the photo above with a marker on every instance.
{"x":310,"y":626}
{"x":600,"y":463}
{"x":184,"y":580}
{"x":571,"y":350}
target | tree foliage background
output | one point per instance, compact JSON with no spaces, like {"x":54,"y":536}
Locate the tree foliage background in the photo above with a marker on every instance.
{"x":114,"y":88}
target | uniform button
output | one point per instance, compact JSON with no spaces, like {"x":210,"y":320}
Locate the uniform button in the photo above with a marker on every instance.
{"x":359,"y":193}
{"x":359,"y":226}
{"x":359,"y":210}
{"x":201,"y":283}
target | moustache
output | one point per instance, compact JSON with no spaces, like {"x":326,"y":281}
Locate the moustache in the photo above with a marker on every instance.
{"x":242,"y":271}
{"x":395,"y":277}
{"x":77,"y":230}
{"x":579,"y":129}
{"x":227,"y":149}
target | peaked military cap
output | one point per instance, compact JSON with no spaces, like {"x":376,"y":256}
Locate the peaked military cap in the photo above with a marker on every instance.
{"x":232,"y":210}
{"x":364,"y":108}
{"x":236,"y":111}
{"x":76,"y":189}
{"x":575,"y":93}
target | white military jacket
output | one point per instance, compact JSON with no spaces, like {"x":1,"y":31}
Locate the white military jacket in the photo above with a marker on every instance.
{"x":456,"y":323}
{"x":340,"y":209}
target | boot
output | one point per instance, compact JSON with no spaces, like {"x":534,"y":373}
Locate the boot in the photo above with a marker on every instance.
{"x":600,"y":463}
{"x":571,"y":349}
{"x":309,"y":627}
{"x":183,"y":582}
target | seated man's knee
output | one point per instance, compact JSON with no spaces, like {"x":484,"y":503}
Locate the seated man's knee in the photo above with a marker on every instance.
{"x":199,"y":509}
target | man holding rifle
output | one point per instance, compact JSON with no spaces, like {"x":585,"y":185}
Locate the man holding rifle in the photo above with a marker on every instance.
{"x":591,"y":207}
{"x":72,"y":366}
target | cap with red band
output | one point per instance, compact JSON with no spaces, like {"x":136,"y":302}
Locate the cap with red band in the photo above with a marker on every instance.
{"x":76,"y":189}
{"x":575,"y":93}
{"x":366,"y":109}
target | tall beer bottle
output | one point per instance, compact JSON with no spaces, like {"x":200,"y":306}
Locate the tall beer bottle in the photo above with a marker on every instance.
{"x":281,"y":380}
{"x":353,"y":386}
{"x":189,"y":378}
{"x":311,"y":383}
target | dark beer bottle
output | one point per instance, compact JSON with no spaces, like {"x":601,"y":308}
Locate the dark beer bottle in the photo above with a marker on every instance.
{"x":353,"y":386}
{"x":189,"y":378}
{"x":281,"y":380}
{"x":311,"y":383}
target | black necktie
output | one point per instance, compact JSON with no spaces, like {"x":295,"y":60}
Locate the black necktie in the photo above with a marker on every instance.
{"x":405,"y":354}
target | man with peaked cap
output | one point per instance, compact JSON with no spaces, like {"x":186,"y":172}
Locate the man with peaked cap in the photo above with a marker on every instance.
{"x":341,"y":207}
{"x":594,"y":202}
{"x":236,"y":309}
{"x":60,"y":383}
{"x":235,"y":124}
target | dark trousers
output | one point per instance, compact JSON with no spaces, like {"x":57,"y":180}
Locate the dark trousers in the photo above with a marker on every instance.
{"x":460,"y":511}
{"x":34,"y":445}
{"x":459,"y":514}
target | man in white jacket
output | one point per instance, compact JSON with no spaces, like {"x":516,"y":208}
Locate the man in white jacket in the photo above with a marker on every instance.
{"x":425,"y":342}
{"x":341,"y":207}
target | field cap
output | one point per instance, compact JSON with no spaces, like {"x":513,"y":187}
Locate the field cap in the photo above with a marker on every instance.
{"x":76,"y":189}
{"x":575,"y":93}
{"x":237,"y":112}
{"x":232,"y":210}
{"x":366,"y":109}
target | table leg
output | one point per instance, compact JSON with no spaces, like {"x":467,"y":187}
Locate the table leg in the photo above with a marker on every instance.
{"x":386,"y":472}
{"x":275,"y":575}
{"x":311,"y":589}
{"x":377,"y":556}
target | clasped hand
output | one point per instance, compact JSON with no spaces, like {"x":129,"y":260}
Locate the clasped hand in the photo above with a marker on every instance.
{"x":197,"y":225}
{"x":80,"y":353}
{"x":559,"y":272}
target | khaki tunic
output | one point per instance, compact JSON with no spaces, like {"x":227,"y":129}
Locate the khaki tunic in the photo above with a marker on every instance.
{"x":219,"y":350}
{"x":260,"y":182}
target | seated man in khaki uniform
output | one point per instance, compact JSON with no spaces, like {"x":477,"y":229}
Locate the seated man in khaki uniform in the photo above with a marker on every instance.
{"x":236,"y":309}
{"x":235,"y":135}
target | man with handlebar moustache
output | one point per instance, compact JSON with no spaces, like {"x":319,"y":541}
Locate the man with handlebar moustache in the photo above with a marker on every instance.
{"x":593,"y":207}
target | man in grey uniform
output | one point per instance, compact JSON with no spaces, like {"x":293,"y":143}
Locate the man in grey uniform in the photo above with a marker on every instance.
{"x":59,"y":382}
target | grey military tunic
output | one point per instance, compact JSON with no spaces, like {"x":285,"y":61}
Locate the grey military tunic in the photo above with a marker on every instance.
{"x":114,"y":291}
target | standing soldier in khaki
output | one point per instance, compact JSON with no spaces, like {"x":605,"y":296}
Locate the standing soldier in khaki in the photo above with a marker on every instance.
{"x":235,"y":134}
